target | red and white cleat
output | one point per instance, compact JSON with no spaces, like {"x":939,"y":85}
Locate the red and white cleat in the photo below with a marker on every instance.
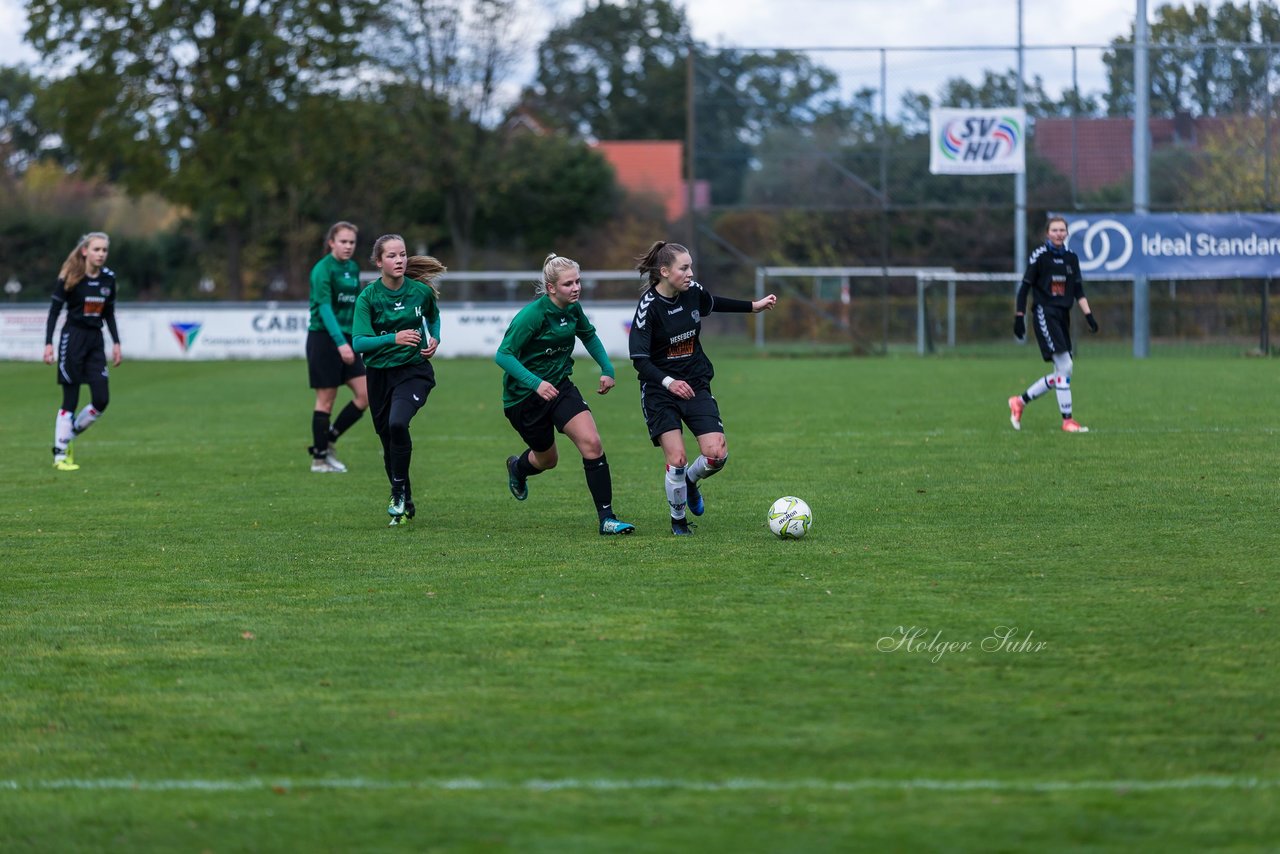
{"x":1015,"y":411}
{"x":1070,"y":425}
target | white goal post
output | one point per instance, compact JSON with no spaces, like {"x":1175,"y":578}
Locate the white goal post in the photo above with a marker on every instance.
{"x":844,"y":274}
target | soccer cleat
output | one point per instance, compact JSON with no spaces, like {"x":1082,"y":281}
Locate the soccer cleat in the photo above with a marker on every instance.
{"x":335,"y":464}
{"x":682,"y":528}
{"x":609,"y":526}
{"x":396,"y":509}
{"x":693,"y":498}
{"x":1015,"y":411}
{"x":64,"y":460}
{"x":518,"y":485}
{"x":1070,"y":425}
{"x":321,"y":465}
{"x":409,"y":509}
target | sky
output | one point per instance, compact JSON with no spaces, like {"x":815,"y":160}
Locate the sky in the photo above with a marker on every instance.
{"x":893,"y":24}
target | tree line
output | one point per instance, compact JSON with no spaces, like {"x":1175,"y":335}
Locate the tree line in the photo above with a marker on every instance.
{"x":217,"y":140}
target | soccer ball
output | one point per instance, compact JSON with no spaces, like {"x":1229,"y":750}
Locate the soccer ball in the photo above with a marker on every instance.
{"x":790,"y":518}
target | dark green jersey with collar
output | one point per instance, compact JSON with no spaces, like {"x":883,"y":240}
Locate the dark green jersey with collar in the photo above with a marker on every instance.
{"x":665,"y":336}
{"x":90,"y":304}
{"x":541,"y":337}
{"x":1054,"y":277}
{"x":336,"y":284}
{"x":382,"y":311}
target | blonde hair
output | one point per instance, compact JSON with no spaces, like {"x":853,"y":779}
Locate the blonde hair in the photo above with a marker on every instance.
{"x":552,"y":266}
{"x":661,"y":254}
{"x":75,"y":268}
{"x":424,"y":268}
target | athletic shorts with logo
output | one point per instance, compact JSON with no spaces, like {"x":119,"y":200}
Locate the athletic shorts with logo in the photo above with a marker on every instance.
{"x":664,"y":412}
{"x":81,"y":355}
{"x":324,"y":363}
{"x":1053,"y":330}
{"x":408,"y":383}
{"x":536,"y":420}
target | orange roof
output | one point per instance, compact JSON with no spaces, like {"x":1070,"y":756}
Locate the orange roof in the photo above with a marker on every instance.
{"x":1103,"y":147}
{"x":650,"y":167}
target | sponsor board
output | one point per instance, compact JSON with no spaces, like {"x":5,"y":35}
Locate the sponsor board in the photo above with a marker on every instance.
{"x":1176,"y":245}
{"x":202,"y":332}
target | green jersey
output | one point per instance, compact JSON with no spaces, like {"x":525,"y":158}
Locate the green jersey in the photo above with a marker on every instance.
{"x":538,"y":347}
{"x":381,"y":312}
{"x":334,"y":286}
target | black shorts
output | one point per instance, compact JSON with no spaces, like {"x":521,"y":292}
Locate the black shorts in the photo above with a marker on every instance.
{"x":81,"y":356}
{"x":536,"y":419}
{"x":324,"y":364}
{"x":410,"y":383}
{"x":664,"y":412}
{"x":1053,"y":330}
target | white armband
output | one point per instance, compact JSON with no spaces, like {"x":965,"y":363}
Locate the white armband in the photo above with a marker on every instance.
{"x":667,"y":381}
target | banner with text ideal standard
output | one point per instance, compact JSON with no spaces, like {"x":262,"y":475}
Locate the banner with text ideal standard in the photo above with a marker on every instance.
{"x":1232,"y":245}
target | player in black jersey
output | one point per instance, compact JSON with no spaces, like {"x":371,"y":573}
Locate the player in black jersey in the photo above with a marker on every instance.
{"x":675,"y":374}
{"x":1053,"y":275}
{"x":87,"y":290}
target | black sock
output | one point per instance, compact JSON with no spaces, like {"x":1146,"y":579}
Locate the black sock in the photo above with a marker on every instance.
{"x":319,"y":433}
{"x":524,"y":468}
{"x":349,"y":415}
{"x":600,"y":484}
{"x":1025,"y":399}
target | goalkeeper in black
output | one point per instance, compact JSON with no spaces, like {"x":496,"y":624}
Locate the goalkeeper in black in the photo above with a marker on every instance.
{"x":538,"y":397}
{"x":675,"y":375}
{"x":1053,"y":276}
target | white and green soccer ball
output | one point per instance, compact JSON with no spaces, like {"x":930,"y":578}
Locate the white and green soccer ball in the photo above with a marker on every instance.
{"x":790,"y":518}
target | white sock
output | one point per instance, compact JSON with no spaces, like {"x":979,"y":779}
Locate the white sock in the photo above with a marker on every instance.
{"x":85,"y":419}
{"x":63,"y":431}
{"x":1038,"y":388}
{"x":701,"y":468}
{"x":676,"y":491}
{"x":1064,"y":400}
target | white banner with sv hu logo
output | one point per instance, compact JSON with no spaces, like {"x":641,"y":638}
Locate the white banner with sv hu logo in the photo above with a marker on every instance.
{"x":1176,"y":245}
{"x":977,"y":142}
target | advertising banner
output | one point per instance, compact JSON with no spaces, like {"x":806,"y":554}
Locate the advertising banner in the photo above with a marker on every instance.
{"x":198,"y":332}
{"x":1176,"y":245}
{"x":977,"y":142}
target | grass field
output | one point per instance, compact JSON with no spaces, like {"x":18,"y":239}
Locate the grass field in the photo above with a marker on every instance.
{"x":211,"y":649}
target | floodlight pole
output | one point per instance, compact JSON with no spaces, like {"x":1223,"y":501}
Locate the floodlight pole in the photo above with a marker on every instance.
{"x":1141,"y":174}
{"x":1020,"y":178}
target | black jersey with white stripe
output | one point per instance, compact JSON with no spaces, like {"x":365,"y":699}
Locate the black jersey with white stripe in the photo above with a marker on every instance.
{"x":1053,"y":276}
{"x":89,"y":304}
{"x":666,"y":334}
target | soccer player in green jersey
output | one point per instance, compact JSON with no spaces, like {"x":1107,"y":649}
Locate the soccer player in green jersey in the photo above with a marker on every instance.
{"x":397,"y":328}
{"x":538,"y":397}
{"x":335,"y":282}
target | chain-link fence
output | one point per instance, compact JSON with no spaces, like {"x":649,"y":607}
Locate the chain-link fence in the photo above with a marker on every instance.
{"x":852,"y":188}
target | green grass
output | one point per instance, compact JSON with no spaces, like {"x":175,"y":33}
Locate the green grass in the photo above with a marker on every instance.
{"x":209,"y":648}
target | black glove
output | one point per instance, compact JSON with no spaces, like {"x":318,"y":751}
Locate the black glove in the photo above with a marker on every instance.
{"x":1020,"y":326}
{"x":1093,"y":324}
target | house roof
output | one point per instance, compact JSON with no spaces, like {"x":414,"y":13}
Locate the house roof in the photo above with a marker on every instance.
{"x":1099,"y":152}
{"x":650,"y":167}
